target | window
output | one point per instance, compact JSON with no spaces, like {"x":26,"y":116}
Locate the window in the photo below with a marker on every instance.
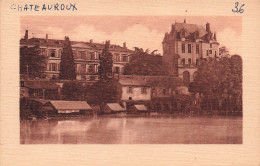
{"x":197,"y":48}
{"x":52,"y":53}
{"x":183,"y":61}
{"x":117,"y":69}
{"x":82,"y":68}
{"x":124,"y":58}
{"x":130,"y":89}
{"x":197,"y":62}
{"x":183,"y":47}
{"x":53,"y":67}
{"x":92,"y":55}
{"x":210,"y":51}
{"x":189,"y":60}
{"x":164,"y":92}
{"x":215,"y":54}
{"x":43,"y":51}
{"x":90,"y":69}
{"x":189,"y":48}
{"x":144,"y":90}
{"x":207,"y":52}
{"x":116,"y":57}
{"x":210,"y":45}
{"x":82,"y":55}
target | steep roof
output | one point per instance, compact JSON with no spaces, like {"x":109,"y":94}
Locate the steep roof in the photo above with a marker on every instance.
{"x":115,"y":107}
{"x":190,"y":28}
{"x":70,"y":105}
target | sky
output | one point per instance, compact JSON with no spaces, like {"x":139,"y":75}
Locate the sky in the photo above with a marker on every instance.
{"x":146,"y":32}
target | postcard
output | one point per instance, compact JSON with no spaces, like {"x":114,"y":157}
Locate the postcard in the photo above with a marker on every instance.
{"x":130,"y":82}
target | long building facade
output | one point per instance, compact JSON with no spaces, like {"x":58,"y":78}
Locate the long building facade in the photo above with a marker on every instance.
{"x":185,"y":46}
{"x":86,"y":56}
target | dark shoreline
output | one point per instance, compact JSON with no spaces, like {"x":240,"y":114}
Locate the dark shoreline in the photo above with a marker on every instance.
{"x":129,"y":115}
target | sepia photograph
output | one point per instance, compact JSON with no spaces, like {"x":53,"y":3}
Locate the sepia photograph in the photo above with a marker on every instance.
{"x":131,"y":80}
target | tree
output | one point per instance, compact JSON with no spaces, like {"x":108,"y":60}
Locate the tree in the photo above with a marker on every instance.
{"x":105,"y":88}
{"x":32,"y":63}
{"x":106,"y":63}
{"x":143,"y":63}
{"x":223,"y":52}
{"x":220,"y":81}
{"x":67,"y":65}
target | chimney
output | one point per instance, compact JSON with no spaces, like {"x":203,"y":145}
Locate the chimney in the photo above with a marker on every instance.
{"x":91,"y":41}
{"x":46,"y":37}
{"x":208,"y":27}
{"x":26,"y":34}
{"x":124,"y":44}
{"x":185,"y":20}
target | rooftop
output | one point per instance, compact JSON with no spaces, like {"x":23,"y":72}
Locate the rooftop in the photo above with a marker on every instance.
{"x":115,"y":107}
{"x":70,"y":105}
{"x":132,"y":82}
{"x":140,"y":107}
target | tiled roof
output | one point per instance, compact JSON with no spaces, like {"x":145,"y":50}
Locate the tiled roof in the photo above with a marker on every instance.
{"x":190,"y":28}
{"x":70,"y":105}
{"x":78,"y":44}
{"x":141,"y":107}
{"x":165,"y":82}
{"x":132,"y":82}
{"x":37,"y":84}
{"x":153,"y":81}
{"x":115,"y":107}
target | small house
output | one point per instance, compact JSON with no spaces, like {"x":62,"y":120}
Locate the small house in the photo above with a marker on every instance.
{"x":60,"y":107}
{"x":133,"y":90}
{"x":114,"y":108}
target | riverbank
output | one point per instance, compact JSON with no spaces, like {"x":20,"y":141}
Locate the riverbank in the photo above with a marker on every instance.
{"x":148,"y":114}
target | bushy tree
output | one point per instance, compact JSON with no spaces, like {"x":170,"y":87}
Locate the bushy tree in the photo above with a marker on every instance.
{"x":144,"y":63}
{"x":32,"y":63}
{"x":67,"y":65}
{"x":220,"y":81}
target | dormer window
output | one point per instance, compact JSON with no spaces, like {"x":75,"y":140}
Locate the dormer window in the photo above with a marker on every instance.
{"x":182,"y":33}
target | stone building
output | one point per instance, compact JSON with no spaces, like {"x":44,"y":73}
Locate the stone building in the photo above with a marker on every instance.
{"x":185,"y":46}
{"x":86,"y":56}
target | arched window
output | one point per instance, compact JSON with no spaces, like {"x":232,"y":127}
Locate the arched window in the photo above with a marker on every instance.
{"x":186,"y":78}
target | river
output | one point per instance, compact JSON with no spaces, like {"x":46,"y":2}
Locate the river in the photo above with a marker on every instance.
{"x":161,"y":129}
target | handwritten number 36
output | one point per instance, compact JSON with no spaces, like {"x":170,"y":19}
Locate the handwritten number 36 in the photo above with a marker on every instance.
{"x":240,"y":10}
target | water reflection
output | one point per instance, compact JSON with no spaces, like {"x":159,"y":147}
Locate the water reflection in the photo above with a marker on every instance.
{"x":138,"y":130}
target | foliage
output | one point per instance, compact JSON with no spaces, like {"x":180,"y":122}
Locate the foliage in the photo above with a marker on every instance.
{"x":67,"y":65}
{"x":143,"y":63}
{"x":106,"y":63}
{"x":220,"y":81}
{"x":31,"y":62}
{"x":223,"y":52}
{"x":104,"y":90}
